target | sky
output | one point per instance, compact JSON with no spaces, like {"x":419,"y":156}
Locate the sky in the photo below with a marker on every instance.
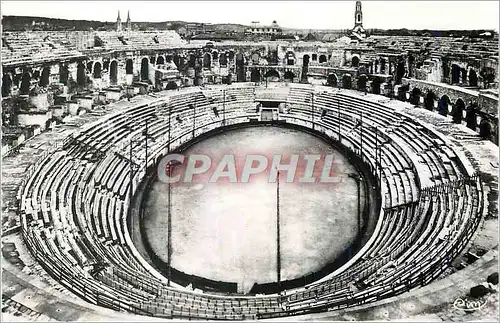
{"x":290,"y":14}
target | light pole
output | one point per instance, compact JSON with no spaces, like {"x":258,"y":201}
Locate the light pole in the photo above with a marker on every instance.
{"x":278,"y":251}
{"x":358,"y":180}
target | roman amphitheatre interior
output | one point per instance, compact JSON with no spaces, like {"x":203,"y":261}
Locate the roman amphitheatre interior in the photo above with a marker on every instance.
{"x":405,"y":123}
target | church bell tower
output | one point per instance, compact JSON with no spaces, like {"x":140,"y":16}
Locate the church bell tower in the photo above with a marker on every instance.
{"x":358,"y":29}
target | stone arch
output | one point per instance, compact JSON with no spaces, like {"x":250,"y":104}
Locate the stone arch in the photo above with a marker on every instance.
{"x":45,"y":77}
{"x":289,"y":76}
{"x":355,"y":61}
{"x":25,"y":83}
{"x":415,"y":96}
{"x":171,"y":85}
{"x":346,"y":81}
{"x":223,"y":59}
{"x":255,"y":58}
{"x":314,"y":57}
{"x":470,"y":118}
{"x":113,"y":72}
{"x":160,"y":60}
{"x":6,"y":84}
{"x":458,"y":110}
{"x":332,"y":80}
{"x":362,"y":82}
{"x":97,"y":70}
{"x":322,"y":58}
{"x":63,"y":74}
{"x":80,"y":74}
{"x":144,"y":69}
{"x":443,"y":105}
{"x":376,"y":85}
{"x":485,"y":129}
{"x":472,"y":78}
{"x":305,"y":60}
{"x":255,"y":75}
{"x":240,"y":68}
{"x":429,"y":100}
{"x":207,"y":60}
{"x":272,"y":74}
{"x":290,"y":58}
{"x":129,"y":66}
{"x":455,"y":74}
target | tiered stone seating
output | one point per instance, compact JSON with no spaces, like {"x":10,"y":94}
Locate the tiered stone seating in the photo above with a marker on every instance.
{"x":76,"y":227}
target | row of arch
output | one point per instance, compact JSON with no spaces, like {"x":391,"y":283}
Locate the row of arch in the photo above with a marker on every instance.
{"x":457,"y":110}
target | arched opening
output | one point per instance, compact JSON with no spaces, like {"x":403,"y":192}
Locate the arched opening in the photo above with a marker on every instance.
{"x":290,"y":58}
{"x":376,"y":85}
{"x":240,"y":68}
{"x":485,"y":129}
{"x":458,"y":111}
{"x":289,"y":76}
{"x":25,"y":84}
{"x":455,"y":74}
{"x":346,"y":81}
{"x":415,"y":96}
{"x":472,"y":78}
{"x":305,"y":60}
{"x":145,"y":69}
{"x":314,"y":57}
{"x":400,"y":71}
{"x":129,"y":67}
{"x":6,"y":85}
{"x":362,"y":83}
{"x":382,"y":65}
{"x":443,"y":105}
{"x":191,"y":61}
{"x":63,"y":74}
{"x":322,"y":58}
{"x":429,"y":101}
{"x":488,"y":75}
{"x":44,"y":79}
{"x":463,"y":74}
{"x":80,"y":74}
{"x":177,"y":61}
{"x":470,"y":118}
{"x":113,"y":72}
{"x":160,"y":60}
{"x":97,"y":70}
{"x":207,"y":60}
{"x":223,"y":59}
{"x":152,"y":59}
{"x":171,"y":85}
{"x":215,"y":55}
{"x":272,"y":75}
{"x":332,"y":80}
{"x":355,"y":61}
{"x":255,"y":75}
{"x":255,"y":58}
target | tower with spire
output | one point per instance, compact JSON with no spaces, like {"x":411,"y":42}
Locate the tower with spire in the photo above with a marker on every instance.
{"x":118,"y":23}
{"x":358,"y":29}
{"x":129,"y":23}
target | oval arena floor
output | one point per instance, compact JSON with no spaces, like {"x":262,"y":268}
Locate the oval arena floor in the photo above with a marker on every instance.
{"x":227,"y":231}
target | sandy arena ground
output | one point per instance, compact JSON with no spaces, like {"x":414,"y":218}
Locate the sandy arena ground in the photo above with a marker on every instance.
{"x":227,"y":231}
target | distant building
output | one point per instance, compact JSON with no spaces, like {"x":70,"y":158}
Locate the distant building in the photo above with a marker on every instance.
{"x":358,"y":31}
{"x":129,"y":22}
{"x":273,"y":29}
{"x":118,"y":23}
